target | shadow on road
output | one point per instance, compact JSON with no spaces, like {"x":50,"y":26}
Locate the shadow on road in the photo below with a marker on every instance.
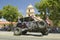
{"x":38,"y":35}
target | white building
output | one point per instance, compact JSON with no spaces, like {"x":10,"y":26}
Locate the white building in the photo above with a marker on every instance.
{"x":30,"y":11}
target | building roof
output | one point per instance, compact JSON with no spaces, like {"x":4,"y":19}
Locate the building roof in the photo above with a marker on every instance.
{"x":3,"y":20}
{"x":30,"y":6}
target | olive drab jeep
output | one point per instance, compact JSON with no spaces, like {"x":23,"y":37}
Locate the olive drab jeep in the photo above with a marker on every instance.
{"x":28,"y":24}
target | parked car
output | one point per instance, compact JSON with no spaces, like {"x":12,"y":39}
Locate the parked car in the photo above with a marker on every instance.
{"x":54,"y":30}
{"x":29,"y":24}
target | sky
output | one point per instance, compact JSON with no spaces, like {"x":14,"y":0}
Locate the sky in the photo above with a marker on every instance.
{"x":20,"y":4}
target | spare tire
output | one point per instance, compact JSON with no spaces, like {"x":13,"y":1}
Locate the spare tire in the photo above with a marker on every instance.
{"x":41,"y":24}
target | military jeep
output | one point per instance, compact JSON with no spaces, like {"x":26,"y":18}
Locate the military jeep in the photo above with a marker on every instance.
{"x":28,"y":24}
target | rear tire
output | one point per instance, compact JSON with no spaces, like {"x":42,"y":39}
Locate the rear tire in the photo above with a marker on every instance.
{"x":45,"y":32}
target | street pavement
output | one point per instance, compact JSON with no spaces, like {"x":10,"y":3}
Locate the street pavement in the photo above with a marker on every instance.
{"x":29,"y":36}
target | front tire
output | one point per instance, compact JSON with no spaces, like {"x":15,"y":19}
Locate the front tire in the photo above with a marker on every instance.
{"x":17,"y":31}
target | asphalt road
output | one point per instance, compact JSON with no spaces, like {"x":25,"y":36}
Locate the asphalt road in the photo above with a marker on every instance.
{"x":29,"y":36}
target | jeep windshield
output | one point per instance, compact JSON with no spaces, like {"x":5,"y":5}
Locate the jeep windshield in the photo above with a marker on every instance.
{"x":26,"y":19}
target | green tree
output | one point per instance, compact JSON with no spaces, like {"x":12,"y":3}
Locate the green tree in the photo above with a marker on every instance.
{"x":11,"y":13}
{"x":52,"y":7}
{"x":1,"y":13}
{"x":43,"y":5}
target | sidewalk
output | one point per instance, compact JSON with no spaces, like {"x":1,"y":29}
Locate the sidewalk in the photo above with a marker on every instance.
{"x":5,"y":33}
